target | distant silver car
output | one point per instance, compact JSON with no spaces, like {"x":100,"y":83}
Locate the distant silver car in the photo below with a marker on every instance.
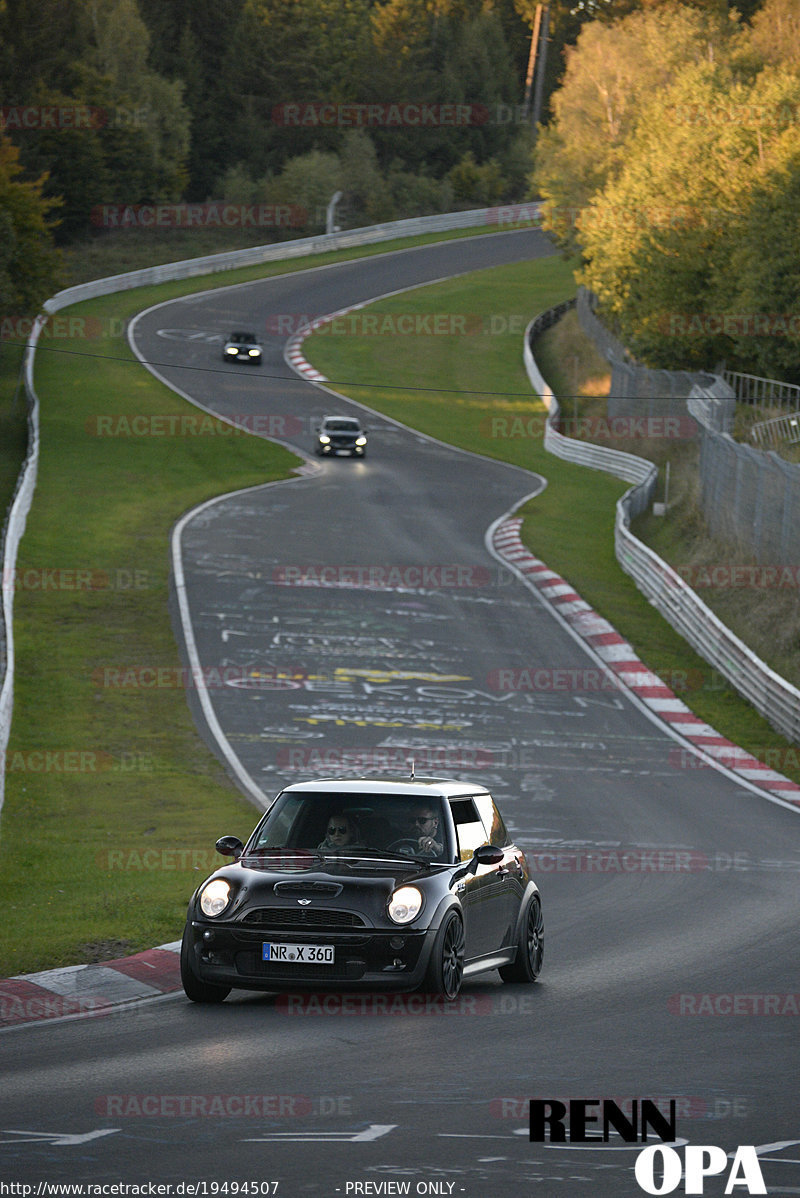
{"x":242,"y":347}
{"x":341,"y":435}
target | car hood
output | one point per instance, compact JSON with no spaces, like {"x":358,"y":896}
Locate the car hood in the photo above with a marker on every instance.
{"x":329,"y":883}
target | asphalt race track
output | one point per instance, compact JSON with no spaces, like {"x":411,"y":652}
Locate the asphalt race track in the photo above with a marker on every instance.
{"x":354,"y":616}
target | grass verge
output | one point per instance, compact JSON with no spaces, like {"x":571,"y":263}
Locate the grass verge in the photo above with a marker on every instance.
{"x":473,"y":392}
{"x":112,"y":802}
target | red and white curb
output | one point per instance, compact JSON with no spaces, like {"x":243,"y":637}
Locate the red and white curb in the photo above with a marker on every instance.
{"x":294,"y":354}
{"x":621,"y":660}
{"x":89,"y":990}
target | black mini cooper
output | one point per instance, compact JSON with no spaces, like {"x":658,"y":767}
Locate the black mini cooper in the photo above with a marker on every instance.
{"x":351,"y":883}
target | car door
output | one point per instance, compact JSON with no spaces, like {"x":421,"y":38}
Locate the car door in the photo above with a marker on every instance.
{"x":482,"y":891}
{"x":510,"y":876}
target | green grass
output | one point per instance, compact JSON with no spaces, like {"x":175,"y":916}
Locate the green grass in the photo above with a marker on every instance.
{"x":127,"y":770}
{"x":467,"y":389}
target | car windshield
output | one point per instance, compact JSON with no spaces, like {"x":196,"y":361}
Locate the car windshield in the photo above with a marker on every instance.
{"x":342,"y":426}
{"x":355,"y":825}
{"x":244,"y":338}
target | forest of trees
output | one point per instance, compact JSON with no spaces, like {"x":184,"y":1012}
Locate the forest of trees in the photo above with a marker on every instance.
{"x":672,"y":163}
{"x":677,"y":209}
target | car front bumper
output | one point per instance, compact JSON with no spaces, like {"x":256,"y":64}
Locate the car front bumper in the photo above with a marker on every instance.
{"x":371,"y":958}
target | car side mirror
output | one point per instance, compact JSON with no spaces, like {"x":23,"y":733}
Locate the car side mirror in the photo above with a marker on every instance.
{"x":488,"y":854}
{"x":229,"y":846}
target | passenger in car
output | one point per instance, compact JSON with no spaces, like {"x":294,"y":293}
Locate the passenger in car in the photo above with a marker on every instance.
{"x":341,"y":831}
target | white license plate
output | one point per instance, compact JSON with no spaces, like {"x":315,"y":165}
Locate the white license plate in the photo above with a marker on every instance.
{"x":304,"y":954}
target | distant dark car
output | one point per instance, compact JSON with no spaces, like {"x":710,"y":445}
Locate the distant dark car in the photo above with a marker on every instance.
{"x":351,"y":883}
{"x":242,"y":347}
{"x":341,"y":435}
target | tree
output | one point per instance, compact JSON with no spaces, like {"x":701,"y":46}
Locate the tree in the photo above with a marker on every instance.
{"x":662,"y":239}
{"x":29,"y":263}
{"x":611,"y":75}
{"x":765,"y":275}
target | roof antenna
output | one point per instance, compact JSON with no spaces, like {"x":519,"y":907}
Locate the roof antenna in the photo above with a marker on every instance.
{"x":413,"y":775}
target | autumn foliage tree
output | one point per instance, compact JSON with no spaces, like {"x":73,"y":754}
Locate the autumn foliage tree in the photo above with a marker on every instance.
{"x":29,"y":263}
{"x":686,"y":213}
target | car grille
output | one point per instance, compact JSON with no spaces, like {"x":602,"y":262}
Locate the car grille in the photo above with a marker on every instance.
{"x":251,"y":965}
{"x":303,"y":917}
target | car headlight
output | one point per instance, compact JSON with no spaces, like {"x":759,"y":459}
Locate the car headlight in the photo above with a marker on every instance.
{"x":361,"y":440}
{"x":215,"y":897}
{"x":405,"y":904}
{"x":231,"y":349}
{"x":323,"y":440}
{"x":254,"y":353}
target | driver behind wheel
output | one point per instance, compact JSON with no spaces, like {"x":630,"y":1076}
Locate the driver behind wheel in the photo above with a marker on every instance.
{"x":423,"y":828}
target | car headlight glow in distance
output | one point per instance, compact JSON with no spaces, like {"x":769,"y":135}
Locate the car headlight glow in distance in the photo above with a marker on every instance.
{"x":215,"y":897}
{"x":361,"y":440}
{"x":254,"y":352}
{"x":324,"y":440}
{"x":405,"y":904}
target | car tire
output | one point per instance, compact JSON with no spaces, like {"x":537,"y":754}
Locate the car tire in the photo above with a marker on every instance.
{"x":446,"y":967}
{"x":530,"y":947}
{"x":193,"y":988}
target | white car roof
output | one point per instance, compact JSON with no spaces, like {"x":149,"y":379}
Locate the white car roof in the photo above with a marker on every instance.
{"x":393,"y":785}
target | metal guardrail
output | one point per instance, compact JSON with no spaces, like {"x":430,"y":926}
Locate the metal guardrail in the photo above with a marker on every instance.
{"x":713,"y":407}
{"x":762,"y":393}
{"x":781,"y":429}
{"x":283,"y":251}
{"x":13,"y":529}
{"x":774,"y":697}
{"x":190,"y":268}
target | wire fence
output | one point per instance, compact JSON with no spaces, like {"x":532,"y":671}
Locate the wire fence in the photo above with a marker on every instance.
{"x":775,"y":698}
{"x":749,"y":498}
